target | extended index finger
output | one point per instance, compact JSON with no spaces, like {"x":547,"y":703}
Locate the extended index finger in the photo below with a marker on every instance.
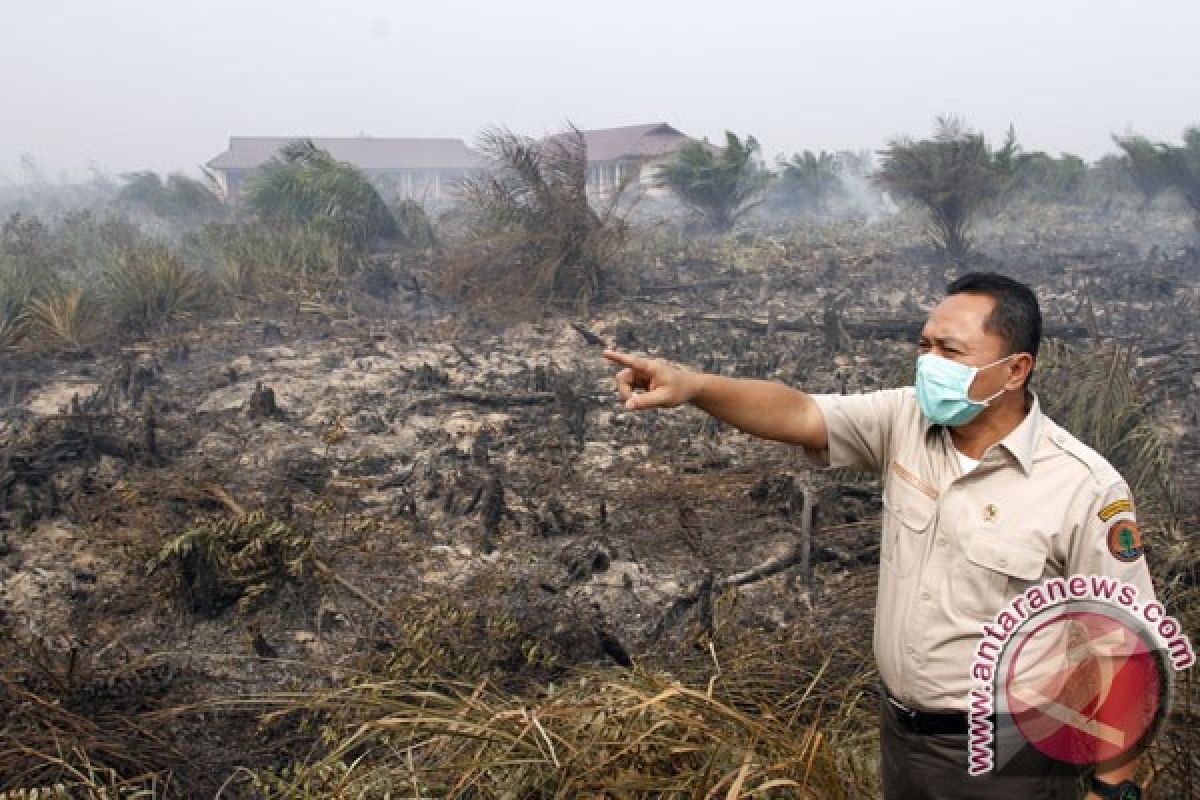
{"x":626,"y":359}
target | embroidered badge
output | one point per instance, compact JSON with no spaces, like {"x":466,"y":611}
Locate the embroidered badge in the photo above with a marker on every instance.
{"x":1125,"y":541}
{"x":1112,"y":509}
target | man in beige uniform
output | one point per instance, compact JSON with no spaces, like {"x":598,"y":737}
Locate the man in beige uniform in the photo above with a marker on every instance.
{"x":979,"y":505}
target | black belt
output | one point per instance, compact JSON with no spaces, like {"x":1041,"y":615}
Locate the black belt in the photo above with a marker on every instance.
{"x":927,"y":722}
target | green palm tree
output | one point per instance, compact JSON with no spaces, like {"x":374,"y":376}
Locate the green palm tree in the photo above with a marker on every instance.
{"x":1157,"y":167}
{"x":304,"y":185}
{"x":953,"y":175}
{"x":177,"y":198}
{"x":719,"y":184}
{"x":1043,"y":177}
{"x":808,"y":180}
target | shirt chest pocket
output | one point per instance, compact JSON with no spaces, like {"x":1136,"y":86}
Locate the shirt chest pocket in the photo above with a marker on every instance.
{"x":998,"y":565}
{"x":908,"y":515}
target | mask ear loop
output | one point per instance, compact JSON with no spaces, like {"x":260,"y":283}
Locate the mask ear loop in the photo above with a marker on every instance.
{"x":997,"y":361}
{"x":988,"y":401}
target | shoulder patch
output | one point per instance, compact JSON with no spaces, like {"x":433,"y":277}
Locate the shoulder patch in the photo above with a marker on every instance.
{"x":1125,"y":541}
{"x":1112,"y":509}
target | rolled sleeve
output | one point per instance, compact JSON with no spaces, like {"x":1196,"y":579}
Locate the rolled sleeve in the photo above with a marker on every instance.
{"x":859,"y":428}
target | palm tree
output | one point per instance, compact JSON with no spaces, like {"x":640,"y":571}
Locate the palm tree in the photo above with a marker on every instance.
{"x":304,"y":185}
{"x":178,"y":198}
{"x":953,"y":175}
{"x":720,"y":185}
{"x":808,"y":180}
{"x":1043,"y":177}
{"x":533,"y":232}
{"x":1159,"y":167}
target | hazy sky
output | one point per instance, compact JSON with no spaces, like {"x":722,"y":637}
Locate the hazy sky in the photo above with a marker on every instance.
{"x":162,"y":84}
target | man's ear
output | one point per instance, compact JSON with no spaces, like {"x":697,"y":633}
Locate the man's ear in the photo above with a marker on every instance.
{"x":1019,"y":370}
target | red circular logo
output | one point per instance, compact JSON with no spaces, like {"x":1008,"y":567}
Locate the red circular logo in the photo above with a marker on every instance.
{"x":1084,"y":687}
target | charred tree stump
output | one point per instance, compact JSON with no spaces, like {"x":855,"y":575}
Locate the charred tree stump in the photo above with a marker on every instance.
{"x":573,"y":411}
{"x":492,"y":513}
{"x":764,"y":288}
{"x":835,"y":337}
{"x":552,"y":521}
{"x":271,"y":334}
{"x":613,"y":647}
{"x":262,"y":403}
{"x":808,"y":515}
{"x":150,"y":432}
{"x":588,"y":336}
{"x":417,"y":295}
{"x":141,"y":378}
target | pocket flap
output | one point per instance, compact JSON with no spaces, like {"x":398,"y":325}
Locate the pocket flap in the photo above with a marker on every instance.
{"x":911,"y":506}
{"x":1014,"y":558}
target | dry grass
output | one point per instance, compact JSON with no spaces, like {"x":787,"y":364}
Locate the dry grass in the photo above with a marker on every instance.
{"x":1097,"y":394}
{"x":1175,"y":756}
{"x":12,"y":327}
{"x":19,"y":284}
{"x":772,"y":716}
{"x":49,"y":740}
{"x":66,"y":319}
{"x":746,"y":713}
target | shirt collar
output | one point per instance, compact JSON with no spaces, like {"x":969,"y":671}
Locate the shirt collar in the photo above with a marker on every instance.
{"x":1021,"y":441}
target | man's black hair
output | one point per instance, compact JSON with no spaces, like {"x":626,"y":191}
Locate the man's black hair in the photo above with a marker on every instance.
{"x":1015,"y":316}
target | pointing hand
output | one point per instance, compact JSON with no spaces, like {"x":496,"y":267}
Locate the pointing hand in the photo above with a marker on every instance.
{"x":661,"y":383}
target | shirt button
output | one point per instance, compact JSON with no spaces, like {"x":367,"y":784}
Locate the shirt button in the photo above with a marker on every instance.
{"x":941,"y":542}
{"x":924,"y":595}
{"x":1004,"y":562}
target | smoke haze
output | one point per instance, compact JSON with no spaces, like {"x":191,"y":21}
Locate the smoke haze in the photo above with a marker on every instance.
{"x":132,"y":84}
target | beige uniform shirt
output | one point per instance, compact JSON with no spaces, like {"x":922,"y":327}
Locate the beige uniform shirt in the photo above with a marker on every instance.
{"x":957,"y":548}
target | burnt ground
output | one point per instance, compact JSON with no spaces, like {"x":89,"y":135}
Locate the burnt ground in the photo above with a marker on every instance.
{"x":443,"y":477}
